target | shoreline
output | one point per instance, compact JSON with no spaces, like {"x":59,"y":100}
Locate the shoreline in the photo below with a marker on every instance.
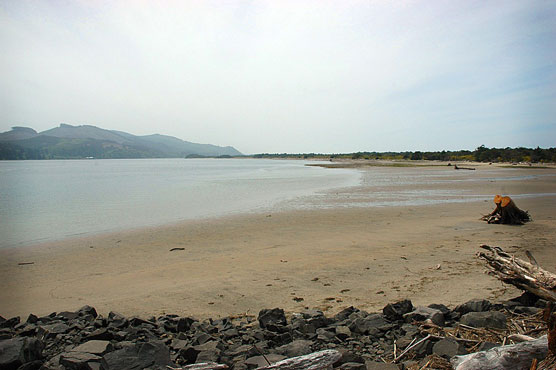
{"x":327,"y":259}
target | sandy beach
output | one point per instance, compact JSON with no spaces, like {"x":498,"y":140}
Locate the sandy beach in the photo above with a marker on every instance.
{"x":327,"y":259}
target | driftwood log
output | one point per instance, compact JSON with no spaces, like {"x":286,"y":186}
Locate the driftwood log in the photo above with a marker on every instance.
{"x":456,"y":167}
{"x":528,"y":276}
{"x":521,"y":274}
{"x":201,"y":366}
{"x":512,"y":357}
{"x":506,"y":212}
{"x":322,"y":360}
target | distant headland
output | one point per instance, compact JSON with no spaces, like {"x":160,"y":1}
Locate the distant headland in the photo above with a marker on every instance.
{"x":77,"y":142}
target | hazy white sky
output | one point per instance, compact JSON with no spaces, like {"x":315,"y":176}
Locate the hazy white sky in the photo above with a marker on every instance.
{"x":286,"y":76}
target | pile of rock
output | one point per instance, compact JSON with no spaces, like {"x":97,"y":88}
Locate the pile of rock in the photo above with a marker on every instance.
{"x":86,"y":340}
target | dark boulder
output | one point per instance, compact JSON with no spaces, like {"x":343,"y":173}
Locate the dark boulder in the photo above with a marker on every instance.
{"x":373,"y":365}
{"x":87,"y":310}
{"x":272,"y":319}
{"x":490,"y":319}
{"x":116,"y":320}
{"x":32,"y":319}
{"x":373,"y":324}
{"x":345,"y":313}
{"x":67,"y":316}
{"x":154,"y":355}
{"x":395,"y":311}
{"x":56,"y":328}
{"x":448,"y":348}
{"x":79,"y":360}
{"x":97,"y":347}
{"x":425,"y":313}
{"x":18,"y":351}
{"x":296,"y":348}
{"x":10,"y":323}
{"x":184,"y":324}
{"x":100,"y":334}
{"x":352,"y":366}
{"x":260,"y":361}
{"x":474,"y":305}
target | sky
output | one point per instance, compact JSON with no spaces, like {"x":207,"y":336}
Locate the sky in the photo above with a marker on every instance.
{"x":286,"y":76}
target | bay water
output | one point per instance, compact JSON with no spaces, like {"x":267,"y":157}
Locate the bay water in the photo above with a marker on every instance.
{"x":42,"y":201}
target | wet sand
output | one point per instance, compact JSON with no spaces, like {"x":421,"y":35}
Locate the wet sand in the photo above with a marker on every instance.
{"x":326,"y":259}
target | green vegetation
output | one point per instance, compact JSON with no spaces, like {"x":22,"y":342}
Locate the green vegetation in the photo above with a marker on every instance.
{"x":481,"y":154}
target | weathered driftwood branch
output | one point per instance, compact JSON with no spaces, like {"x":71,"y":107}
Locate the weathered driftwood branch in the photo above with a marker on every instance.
{"x":506,"y":212}
{"x":322,"y":360}
{"x":511,"y":357}
{"x":456,"y":167}
{"x":520,"y":273}
{"x":202,"y":366}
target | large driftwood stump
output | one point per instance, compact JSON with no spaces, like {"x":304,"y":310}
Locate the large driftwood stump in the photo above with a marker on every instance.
{"x":506,"y":212}
{"x":520,"y":273}
{"x":512,"y":357}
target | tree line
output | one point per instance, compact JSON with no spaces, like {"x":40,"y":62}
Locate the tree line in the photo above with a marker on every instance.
{"x":481,"y":154}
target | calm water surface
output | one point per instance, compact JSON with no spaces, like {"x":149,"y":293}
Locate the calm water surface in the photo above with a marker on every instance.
{"x":49,"y":200}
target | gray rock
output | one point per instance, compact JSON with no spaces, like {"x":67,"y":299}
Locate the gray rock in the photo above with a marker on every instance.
{"x":345,"y":313}
{"x":425,"y":313}
{"x":352,"y":366}
{"x":78,"y":360}
{"x":490,"y":319}
{"x":448,"y":348}
{"x":260,"y":361}
{"x":325,"y":334}
{"x":100,"y":334}
{"x":474,"y":305}
{"x":371,"y":365}
{"x":184,"y":324}
{"x":18,"y":351}
{"x":87,"y":310}
{"x":272,"y":319}
{"x":343,"y":332}
{"x":117,"y":320}
{"x":527,"y":310}
{"x":179,"y":344}
{"x":10,"y":323}
{"x":58,"y":328}
{"x":440,"y":307}
{"x":97,"y":347}
{"x":395,"y":311}
{"x":201,"y":338}
{"x":296,"y":348}
{"x":138,"y":356}
{"x":372,"y":325}
{"x":66,"y":315}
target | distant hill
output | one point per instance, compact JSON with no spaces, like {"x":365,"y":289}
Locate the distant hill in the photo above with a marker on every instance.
{"x":67,"y":141}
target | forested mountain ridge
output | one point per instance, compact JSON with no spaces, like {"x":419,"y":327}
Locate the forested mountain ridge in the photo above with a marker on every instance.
{"x":67,"y":142}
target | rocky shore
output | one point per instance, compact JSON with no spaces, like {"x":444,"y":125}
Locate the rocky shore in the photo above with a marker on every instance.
{"x":86,"y":340}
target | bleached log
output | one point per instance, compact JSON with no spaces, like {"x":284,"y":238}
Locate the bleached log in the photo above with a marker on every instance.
{"x":322,"y":360}
{"x":512,"y":357}
{"x":203,"y":366}
{"x":520,"y":273}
